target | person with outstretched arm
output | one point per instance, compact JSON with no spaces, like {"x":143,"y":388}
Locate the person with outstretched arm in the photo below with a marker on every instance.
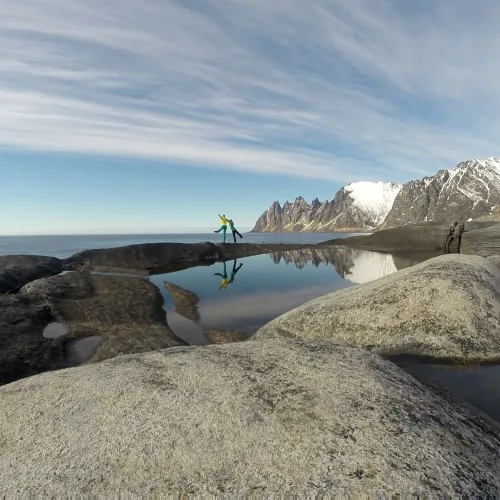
{"x":223,"y":227}
{"x":234,"y":231}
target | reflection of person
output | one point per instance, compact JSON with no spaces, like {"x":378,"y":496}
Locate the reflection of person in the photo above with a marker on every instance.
{"x":223,"y":227}
{"x":234,"y":231}
{"x":223,"y":276}
{"x":224,"y":280}
{"x":234,"y":271}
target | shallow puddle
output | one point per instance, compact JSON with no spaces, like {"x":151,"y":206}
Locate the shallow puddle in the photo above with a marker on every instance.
{"x":81,"y":350}
{"x":245,"y":294}
{"x":55,"y":330}
{"x":478,"y":386}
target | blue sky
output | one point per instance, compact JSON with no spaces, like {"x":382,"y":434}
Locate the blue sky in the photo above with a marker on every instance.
{"x":127,"y":116}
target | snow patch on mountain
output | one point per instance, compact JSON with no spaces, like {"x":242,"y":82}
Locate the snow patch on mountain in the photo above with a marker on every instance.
{"x":374,"y":198}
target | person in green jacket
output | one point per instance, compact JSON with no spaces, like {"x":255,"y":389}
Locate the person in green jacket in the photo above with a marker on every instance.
{"x":234,"y":231}
{"x":223,"y":227}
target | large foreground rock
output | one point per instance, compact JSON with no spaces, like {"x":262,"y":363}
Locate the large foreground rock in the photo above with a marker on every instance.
{"x":446,"y":308}
{"x":17,"y":270}
{"x":156,"y":258}
{"x":267,"y":417}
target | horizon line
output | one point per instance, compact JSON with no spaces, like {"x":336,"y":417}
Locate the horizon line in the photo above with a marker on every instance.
{"x":149,"y":233}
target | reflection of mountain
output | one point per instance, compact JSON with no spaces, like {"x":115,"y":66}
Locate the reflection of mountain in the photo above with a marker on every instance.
{"x":352,"y":264}
{"x":338,"y":257}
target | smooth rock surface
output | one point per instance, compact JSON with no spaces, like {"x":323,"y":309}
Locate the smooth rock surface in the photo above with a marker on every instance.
{"x":157,"y":258}
{"x":222,"y":336}
{"x":446,"y":308}
{"x":482,"y":239}
{"x":17,"y":270}
{"x":426,"y":236}
{"x":271,"y":417}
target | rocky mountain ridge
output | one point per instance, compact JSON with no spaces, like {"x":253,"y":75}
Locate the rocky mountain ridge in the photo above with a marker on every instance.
{"x":470,"y":190}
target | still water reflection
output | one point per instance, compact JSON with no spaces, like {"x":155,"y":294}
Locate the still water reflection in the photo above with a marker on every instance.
{"x":245,"y":294}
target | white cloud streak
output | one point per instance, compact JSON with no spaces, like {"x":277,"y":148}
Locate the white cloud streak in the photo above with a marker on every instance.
{"x":322,"y":89}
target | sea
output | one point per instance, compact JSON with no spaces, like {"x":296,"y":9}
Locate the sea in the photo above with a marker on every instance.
{"x":266,"y":286}
{"x":63,"y":246}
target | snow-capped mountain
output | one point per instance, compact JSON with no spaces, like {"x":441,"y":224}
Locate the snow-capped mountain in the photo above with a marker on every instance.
{"x":467,"y":191}
{"x":373,"y":199}
{"x":360,"y":206}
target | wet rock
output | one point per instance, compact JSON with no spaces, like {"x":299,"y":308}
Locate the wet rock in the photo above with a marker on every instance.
{"x":17,"y":270}
{"x":252,"y":418}
{"x":446,"y":308}
{"x":185,"y":301}
{"x":24,"y":351}
{"x":219,"y":336}
{"x":127,"y":312}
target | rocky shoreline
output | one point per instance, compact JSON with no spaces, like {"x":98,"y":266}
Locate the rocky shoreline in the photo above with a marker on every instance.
{"x":304,"y":407}
{"x":103,"y":295}
{"x":481,"y":237}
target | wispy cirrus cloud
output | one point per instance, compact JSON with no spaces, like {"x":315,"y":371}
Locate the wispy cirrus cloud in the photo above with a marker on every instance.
{"x":324,"y":89}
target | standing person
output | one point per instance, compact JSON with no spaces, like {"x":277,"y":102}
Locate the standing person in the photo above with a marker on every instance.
{"x":449,"y":238}
{"x":234,"y":230}
{"x":223,"y":227}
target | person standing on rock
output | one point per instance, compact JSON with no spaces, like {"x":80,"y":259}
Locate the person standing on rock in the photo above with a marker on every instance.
{"x":449,"y":237}
{"x":234,"y":231}
{"x":458,"y":234}
{"x":223,"y":227}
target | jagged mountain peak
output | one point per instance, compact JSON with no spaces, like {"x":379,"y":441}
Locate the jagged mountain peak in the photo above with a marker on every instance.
{"x":469,"y":190}
{"x":357,"y":207}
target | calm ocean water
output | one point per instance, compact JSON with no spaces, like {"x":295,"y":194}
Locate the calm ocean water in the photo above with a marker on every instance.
{"x":65,"y":245}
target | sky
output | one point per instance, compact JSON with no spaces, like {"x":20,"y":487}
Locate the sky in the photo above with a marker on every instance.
{"x":126,"y":116}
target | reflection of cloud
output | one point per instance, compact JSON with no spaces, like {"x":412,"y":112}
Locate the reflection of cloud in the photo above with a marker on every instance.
{"x":187,"y":330}
{"x":248,"y":312}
